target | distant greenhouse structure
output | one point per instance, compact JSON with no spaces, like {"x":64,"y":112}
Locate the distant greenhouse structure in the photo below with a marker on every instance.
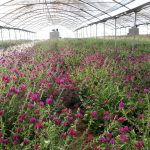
{"x":86,"y":18}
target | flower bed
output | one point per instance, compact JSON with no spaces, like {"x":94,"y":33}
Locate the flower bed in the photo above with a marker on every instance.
{"x":51,"y":101}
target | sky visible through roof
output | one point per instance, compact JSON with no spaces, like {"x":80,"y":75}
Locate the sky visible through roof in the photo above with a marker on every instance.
{"x":43,"y":33}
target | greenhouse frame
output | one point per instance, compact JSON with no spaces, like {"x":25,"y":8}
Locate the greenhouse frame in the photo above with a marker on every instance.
{"x":74,"y":74}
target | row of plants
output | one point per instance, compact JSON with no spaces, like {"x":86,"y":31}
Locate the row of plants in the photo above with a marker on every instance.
{"x":6,"y":44}
{"x":75,"y":94}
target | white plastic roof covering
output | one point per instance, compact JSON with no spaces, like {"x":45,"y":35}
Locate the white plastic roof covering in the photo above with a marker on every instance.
{"x":33,"y":15}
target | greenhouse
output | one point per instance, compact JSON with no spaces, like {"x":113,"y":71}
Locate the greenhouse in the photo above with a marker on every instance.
{"x":74,"y":74}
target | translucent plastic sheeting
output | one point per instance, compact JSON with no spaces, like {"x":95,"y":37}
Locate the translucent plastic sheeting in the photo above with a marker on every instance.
{"x":36,"y":14}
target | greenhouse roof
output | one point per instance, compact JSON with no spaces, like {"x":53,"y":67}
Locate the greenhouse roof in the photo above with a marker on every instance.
{"x":32,"y":15}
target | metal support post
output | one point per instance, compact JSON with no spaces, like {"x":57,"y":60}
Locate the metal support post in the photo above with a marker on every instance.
{"x":90,"y":32}
{"x":115,"y":32}
{"x":104,"y":30}
{"x":9,"y":34}
{"x":96,"y":31}
{"x":2,"y":34}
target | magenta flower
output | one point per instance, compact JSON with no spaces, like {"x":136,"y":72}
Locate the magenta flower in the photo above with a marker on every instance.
{"x":49,"y":101}
{"x":63,"y":135}
{"x":39,"y":125}
{"x":41,"y":103}
{"x":141,"y":116}
{"x":57,"y":122}
{"x":123,"y":138}
{"x":6,"y":79}
{"x":22,"y":86}
{"x":121,"y":119}
{"x":15,"y":137}
{"x":25,"y":141}
{"x":139,"y":144}
{"x":23,"y":116}
{"x":106,"y":115}
{"x":34,"y":97}
{"x":112,"y":141}
{"x":2,"y":112}
{"x":30,"y":106}
{"x":146,"y":90}
{"x":79,"y":115}
{"x":94,"y":114}
{"x":103,"y":140}
{"x":121,"y":105}
{"x":32,"y":120}
{"x":124,"y":129}
{"x":51,"y":117}
{"x":19,"y":130}
{"x":72,"y":132}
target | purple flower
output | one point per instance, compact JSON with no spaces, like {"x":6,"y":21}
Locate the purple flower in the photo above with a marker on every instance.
{"x":139,"y":144}
{"x":22,"y":86}
{"x":41,"y":103}
{"x":6,"y":79}
{"x":106,"y":115}
{"x":15,"y":137}
{"x":32,"y":120}
{"x":34,"y":97}
{"x":146,"y":90}
{"x":121,"y":105}
{"x":141,"y":116}
{"x":123,"y":138}
{"x":25,"y":141}
{"x":39,"y":125}
{"x":103,"y":139}
{"x":51,"y":117}
{"x":112,"y":141}
{"x":124,"y":129}
{"x":94,"y":114}
{"x":49,"y":101}
{"x":57,"y":122}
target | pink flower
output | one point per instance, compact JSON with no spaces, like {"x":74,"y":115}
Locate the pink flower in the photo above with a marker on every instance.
{"x":146,"y":90}
{"x":39,"y":125}
{"x":49,"y":101}
{"x":65,"y":110}
{"x":94,"y":114}
{"x":79,"y":115}
{"x":141,"y":116}
{"x":19,"y":130}
{"x":41,"y":103}
{"x":23,"y":116}
{"x":63,"y":135}
{"x":123,"y":138}
{"x":121,"y":119}
{"x":103,"y":140}
{"x":106,"y":115}
{"x":34,"y":97}
{"x":124,"y":129}
{"x":6,"y":79}
{"x":30,"y":106}
{"x":15,"y":137}
{"x":121,"y":105}
{"x":51,"y":117}
{"x":139,"y":144}
{"x":72,"y":132}
{"x":65,"y":124}
{"x":25,"y":141}
{"x":32,"y":120}
{"x":112,"y":141}
{"x":2,"y":112}
{"x":22,"y":86}
{"x":36,"y":147}
{"x":57,"y":122}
